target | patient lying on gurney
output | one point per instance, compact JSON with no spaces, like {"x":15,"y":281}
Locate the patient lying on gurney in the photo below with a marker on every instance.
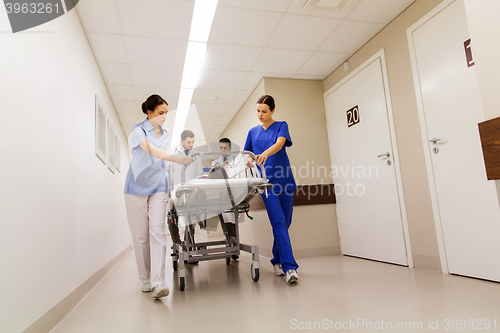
{"x":219,"y":172}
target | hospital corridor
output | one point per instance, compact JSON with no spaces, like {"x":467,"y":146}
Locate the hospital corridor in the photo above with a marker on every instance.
{"x":249,"y":166}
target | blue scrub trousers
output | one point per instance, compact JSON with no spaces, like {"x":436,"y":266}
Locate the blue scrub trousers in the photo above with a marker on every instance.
{"x":279,"y":209}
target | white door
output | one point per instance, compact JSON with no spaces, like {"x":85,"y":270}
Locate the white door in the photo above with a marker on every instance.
{"x":467,"y":203}
{"x":368,"y":205}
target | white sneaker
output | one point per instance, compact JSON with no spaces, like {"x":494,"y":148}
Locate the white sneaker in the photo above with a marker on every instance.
{"x":279,"y":270}
{"x":146,"y":287}
{"x":292,"y":276}
{"x":160,"y":291}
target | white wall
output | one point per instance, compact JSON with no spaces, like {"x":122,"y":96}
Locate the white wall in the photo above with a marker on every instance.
{"x":63,"y":214}
{"x":484,"y":28}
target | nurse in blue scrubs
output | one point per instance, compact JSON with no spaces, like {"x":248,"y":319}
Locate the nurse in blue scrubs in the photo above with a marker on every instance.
{"x":268,"y":142}
{"x":146,"y":197}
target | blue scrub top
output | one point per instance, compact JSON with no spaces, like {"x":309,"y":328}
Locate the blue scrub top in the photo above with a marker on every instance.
{"x":146,"y":174}
{"x":278,"y":169}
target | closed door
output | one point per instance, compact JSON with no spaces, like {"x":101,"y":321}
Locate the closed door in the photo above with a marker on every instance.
{"x":466,"y":202}
{"x":368,"y":202}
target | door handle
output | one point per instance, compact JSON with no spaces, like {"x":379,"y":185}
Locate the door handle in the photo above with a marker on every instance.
{"x":434,"y":140}
{"x":386,"y":155}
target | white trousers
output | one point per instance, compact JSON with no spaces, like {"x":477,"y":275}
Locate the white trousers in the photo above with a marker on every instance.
{"x":146,"y":219}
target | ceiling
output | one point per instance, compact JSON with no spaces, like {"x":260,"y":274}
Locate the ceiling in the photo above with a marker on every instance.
{"x":140,"y":48}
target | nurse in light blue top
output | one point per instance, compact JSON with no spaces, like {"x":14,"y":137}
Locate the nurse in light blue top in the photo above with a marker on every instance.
{"x":146,"y":196}
{"x":268,"y":142}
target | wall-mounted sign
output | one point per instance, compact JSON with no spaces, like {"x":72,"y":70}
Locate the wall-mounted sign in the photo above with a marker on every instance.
{"x":352,"y":116}
{"x":468,"y":53}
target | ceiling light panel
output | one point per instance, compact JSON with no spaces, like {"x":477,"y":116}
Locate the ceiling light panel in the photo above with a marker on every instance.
{"x":243,"y":27}
{"x":100,"y":16}
{"x":203,"y":15}
{"x":153,"y":18}
{"x":281,"y":61}
{"x":155,"y":51}
{"x":350,"y":36}
{"x":108,"y":48}
{"x":302,"y":32}
{"x":296,"y":8}
{"x":219,"y":79}
{"x":231,"y":57}
{"x":115,"y":73}
{"x":121,"y":92}
{"x":156,"y":75}
{"x":380,"y":11}
{"x":273,"y":5}
{"x":195,"y":57}
{"x":322,"y":63}
{"x":204,"y":96}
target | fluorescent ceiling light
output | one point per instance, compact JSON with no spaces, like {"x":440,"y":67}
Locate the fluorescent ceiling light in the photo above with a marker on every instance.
{"x":185,"y":97}
{"x":201,"y":23}
{"x":203,"y":15}
{"x":195,"y":56}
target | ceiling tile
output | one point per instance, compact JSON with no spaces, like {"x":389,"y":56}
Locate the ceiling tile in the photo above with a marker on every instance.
{"x":231,"y":57}
{"x":225,"y":120}
{"x":350,"y":36}
{"x":156,"y":18}
{"x":219,"y":129}
{"x":322,"y":63}
{"x":126,"y":107}
{"x":220,"y":79}
{"x":274,"y":5}
{"x":232,"y":110}
{"x":170,"y":94}
{"x":296,"y":8}
{"x":243,"y":27}
{"x":156,"y":76}
{"x":208,"y":128}
{"x":380,"y":11}
{"x":281,"y":61}
{"x":302,"y":32}
{"x":211,"y":109}
{"x":100,"y":16}
{"x":156,"y":51}
{"x":241,"y":96}
{"x":108,"y":48}
{"x":115,"y":73}
{"x":204,"y":96}
{"x":254,"y":78}
{"x":121,"y":92}
{"x":210,"y":120}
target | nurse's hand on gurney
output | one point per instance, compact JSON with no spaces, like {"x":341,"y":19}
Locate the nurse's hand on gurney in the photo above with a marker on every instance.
{"x":260,"y":159}
{"x":185,"y":160}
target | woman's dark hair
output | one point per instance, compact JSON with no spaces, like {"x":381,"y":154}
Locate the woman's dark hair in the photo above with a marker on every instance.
{"x":152,"y":102}
{"x":267,"y":99}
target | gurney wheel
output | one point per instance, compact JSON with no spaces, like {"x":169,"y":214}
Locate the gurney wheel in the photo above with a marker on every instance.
{"x":182,"y":283}
{"x":228,"y":261}
{"x":255,"y":274}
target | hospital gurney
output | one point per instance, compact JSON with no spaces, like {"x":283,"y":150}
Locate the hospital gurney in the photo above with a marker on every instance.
{"x":200,"y":200}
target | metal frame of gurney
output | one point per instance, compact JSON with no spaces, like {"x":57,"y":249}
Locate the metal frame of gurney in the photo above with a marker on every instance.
{"x":198,"y":200}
